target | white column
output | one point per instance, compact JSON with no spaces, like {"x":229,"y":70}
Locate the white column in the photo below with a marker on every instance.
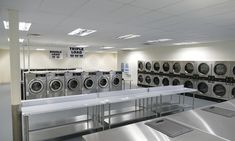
{"x":15,"y":72}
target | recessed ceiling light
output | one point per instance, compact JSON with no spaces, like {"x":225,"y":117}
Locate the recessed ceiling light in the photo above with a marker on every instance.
{"x":40,"y":49}
{"x":23,"y":26}
{"x":186,"y":43}
{"x":107,"y":47}
{"x":20,"y":40}
{"x":159,"y":40}
{"x":81,"y":32}
{"x":128,"y":36}
{"x":128,"y":48}
{"x":82,"y":46}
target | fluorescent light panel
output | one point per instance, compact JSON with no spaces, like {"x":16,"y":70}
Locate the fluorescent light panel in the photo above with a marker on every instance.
{"x":40,"y":49}
{"x":82,"y":32}
{"x":159,"y":40}
{"x":186,"y":43}
{"x":20,"y":40}
{"x":23,"y":26}
{"x":128,"y":36}
{"x":128,"y":48}
{"x":107,"y":47}
{"x":82,"y":46}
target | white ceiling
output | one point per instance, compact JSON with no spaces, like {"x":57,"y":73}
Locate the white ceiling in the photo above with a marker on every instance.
{"x":180,"y":20}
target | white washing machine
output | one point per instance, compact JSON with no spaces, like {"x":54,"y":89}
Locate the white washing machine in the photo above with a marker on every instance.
{"x":166,"y":81}
{"x":89,"y":80}
{"x":73,"y":83}
{"x":147,"y":80}
{"x":177,"y":67}
{"x":35,"y":85}
{"x":116,"y":80}
{"x":103,"y":81}
{"x":220,"y":90}
{"x":141,"y":66}
{"x":166,"y":66}
{"x":148,"y":66}
{"x":204,"y":69}
{"x":156,"y":80}
{"x":140,"y":78}
{"x":221,"y":69}
{"x":156,"y":66}
{"x":55,"y":84}
{"x":232,"y":91}
{"x":189,"y":67}
{"x":204,"y":88}
{"x":176,"y":81}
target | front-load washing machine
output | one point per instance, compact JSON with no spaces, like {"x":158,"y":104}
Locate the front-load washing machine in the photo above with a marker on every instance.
{"x":166,"y":66}
{"x":148,"y":66}
{"x":176,"y":81}
{"x":177,"y":67}
{"x":165,"y":81}
{"x":147,"y":80}
{"x":103,"y":81}
{"x":232,"y":91}
{"x":140,"y":79}
{"x":73,"y":83}
{"x":141,"y":66}
{"x":89,"y":80}
{"x":55,"y":84}
{"x":116,"y":80}
{"x":36,"y":85}
{"x":220,"y":90}
{"x":189,"y":68}
{"x":156,"y":66}
{"x":221,"y":69}
{"x":204,"y":88}
{"x":204,"y":69}
{"x":232,"y":69}
{"x":189,"y":83}
{"x":156,"y":80}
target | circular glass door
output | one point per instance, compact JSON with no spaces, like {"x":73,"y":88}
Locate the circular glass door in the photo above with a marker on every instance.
{"x":156,"y":66}
{"x":233,"y":93}
{"x":176,"y":82}
{"x":35,"y":86}
{"x":140,"y":78}
{"x":156,"y":80}
{"x":233,"y":70}
{"x":165,"y":82}
{"x":220,"y":69}
{"x":176,"y":67}
{"x":203,"y":68}
{"x":73,"y":84}
{"x":103,"y":82}
{"x":56,"y":85}
{"x":88,"y":83}
{"x":188,"y":84}
{"x":166,"y":66}
{"x":219,"y":90}
{"x":189,"y":68}
{"x":203,"y":87}
{"x":116,"y":81}
{"x":141,"y":65}
{"x":148,"y":66}
{"x":148,"y":79}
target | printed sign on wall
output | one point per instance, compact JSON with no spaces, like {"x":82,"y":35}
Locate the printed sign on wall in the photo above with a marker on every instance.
{"x":125,"y":67}
{"x":76,"y":52}
{"x":55,"y":54}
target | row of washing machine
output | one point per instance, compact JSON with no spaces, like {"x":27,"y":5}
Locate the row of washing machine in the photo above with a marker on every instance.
{"x":218,"y":90}
{"x":54,"y":84}
{"x":218,"y":69}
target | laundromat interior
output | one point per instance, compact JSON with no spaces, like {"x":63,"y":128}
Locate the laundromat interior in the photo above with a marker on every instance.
{"x":111,"y":70}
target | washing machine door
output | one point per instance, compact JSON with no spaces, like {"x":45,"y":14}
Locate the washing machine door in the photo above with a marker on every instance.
{"x":148,"y":66}
{"x":189,"y":68}
{"x":141,"y":65}
{"x":165,"y":82}
{"x":177,"y":68}
{"x":156,"y":66}
{"x":203,"y":87}
{"x":219,"y":90}
{"x":203,"y":68}
{"x":233,"y":93}
{"x":166,"y":66}
{"x":72,"y":84}
{"x":148,"y":79}
{"x":220,"y":69}
{"x":233,"y":70}
{"x":156,"y":81}
{"x":188,"y":84}
{"x":36,"y":86}
{"x":176,"y":82}
{"x":116,"y":81}
{"x":88,"y":83}
{"x":56,"y":85}
{"x":140,"y":78}
{"x":103,"y":82}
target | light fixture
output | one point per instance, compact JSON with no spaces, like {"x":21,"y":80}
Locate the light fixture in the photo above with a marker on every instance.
{"x":20,"y":40}
{"x":107,"y":47}
{"x":23,"y":26}
{"x":159,"y":40}
{"x":128,"y":48}
{"x":81,"y":32}
{"x":186,"y":43}
{"x":128,"y":36}
{"x":40,"y":49}
{"x":82,"y":46}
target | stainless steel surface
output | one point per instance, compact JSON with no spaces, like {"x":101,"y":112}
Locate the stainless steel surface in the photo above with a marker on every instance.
{"x":116,"y":80}
{"x":177,"y":81}
{"x":165,"y":81}
{"x":220,"y":111}
{"x":141,"y":66}
{"x":220,"y":90}
{"x":148,"y":66}
{"x":156,"y":66}
{"x":103,"y":81}
{"x":204,"y":88}
{"x":177,"y":67}
{"x":231,"y":94}
{"x":89,"y":82}
{"x":141,"y":132}
{"x":156,"y":80}
{"x":55,"y":84}
{"x":189,"y":67}
{"x":141,"y":79}
{"x":204,"y":69}
{"x":166,"y":66}
{"x":221,"y":69}
{"x":189,"y":83}
{"x":73,"y":83}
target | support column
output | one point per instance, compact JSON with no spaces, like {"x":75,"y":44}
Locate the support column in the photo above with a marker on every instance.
{"x":15,"y":73}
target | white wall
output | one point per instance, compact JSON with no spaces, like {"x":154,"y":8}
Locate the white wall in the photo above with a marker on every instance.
{"x":218,"y":52}
{"x":40,"y":59}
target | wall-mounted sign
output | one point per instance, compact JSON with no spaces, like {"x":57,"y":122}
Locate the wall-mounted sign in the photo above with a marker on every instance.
{"x":125,"y":67}
{"x":55,"y":54}
{"x":76,"y":52}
